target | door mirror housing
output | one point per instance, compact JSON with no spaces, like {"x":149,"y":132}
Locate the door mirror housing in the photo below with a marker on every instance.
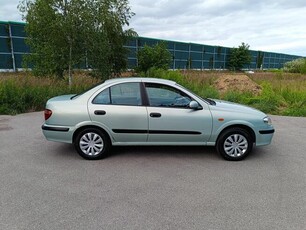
{"x":195,"y":105}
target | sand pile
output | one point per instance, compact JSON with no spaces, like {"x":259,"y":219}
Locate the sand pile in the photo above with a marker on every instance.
{"x":234,"y":82}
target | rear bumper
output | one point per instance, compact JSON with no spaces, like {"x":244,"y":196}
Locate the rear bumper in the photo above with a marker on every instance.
{"x":54,"y":128}
{"x":57,"y":133}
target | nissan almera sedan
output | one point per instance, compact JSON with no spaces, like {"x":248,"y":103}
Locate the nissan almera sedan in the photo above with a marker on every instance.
{"x":148,"y":111}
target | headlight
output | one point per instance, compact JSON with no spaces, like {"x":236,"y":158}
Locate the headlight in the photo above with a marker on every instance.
{"x":267,"y":120}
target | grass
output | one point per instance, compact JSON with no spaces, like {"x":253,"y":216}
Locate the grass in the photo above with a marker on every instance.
{"x":22,"y":92}
{"x":282,"y":93}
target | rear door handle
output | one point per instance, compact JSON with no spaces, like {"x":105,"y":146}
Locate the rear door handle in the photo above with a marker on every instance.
{"x":155,"y":115}
{"x":100,"y":112}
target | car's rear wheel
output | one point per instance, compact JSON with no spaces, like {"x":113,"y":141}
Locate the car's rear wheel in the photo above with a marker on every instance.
{"x":92,"y":144}
{"x":234,"y":144}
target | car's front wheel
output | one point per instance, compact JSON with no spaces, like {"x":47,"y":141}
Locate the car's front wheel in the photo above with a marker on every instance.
{"x":92,"y":144}
{"x":234,"y":144}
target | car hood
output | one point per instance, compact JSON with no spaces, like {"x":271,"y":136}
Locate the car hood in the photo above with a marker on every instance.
{"x":234,"y":107}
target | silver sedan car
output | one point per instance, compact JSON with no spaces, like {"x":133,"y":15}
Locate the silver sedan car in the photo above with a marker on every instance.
{"x":148,"y":111}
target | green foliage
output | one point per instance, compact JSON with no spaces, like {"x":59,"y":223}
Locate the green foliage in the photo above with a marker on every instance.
{"x":63,"y":34}
{"x":296,"y":66}
{"x":239,"y":57}
{"x":269,"y":101}
{"x":296,"y":101}
{"x":154,"y":57}
{"x":27,"y":94}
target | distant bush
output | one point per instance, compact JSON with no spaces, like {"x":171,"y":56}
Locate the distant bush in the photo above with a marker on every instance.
{"x":154,"y":57}
{"x":296,"y":66}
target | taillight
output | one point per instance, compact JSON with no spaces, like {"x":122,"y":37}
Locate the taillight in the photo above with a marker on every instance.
{"x":48,"y":114}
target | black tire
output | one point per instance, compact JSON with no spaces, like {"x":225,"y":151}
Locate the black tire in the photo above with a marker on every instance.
{"x":92,"y":144}
{"x":234,"y":144}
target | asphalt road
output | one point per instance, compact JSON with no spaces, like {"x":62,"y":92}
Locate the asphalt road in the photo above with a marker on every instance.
{"x":46,"y":185}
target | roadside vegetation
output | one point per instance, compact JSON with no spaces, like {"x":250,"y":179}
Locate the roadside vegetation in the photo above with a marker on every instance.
{"x":24,"y":92}
{"x":282,"y":93}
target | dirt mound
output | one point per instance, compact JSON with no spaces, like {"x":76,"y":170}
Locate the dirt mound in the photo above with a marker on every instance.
{"x":235,"y":82}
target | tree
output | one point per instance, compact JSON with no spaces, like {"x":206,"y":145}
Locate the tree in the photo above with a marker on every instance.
{"x":64,"y":34}
{"x":239,"y":57}
{"x":156,"y":56}
{"x":260,"y":57}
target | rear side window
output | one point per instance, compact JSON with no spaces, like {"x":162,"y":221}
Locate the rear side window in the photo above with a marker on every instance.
{"x":102,"y":98}
{"x":121,"y":94}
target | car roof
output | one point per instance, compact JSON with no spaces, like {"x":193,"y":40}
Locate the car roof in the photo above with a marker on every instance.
{"x":139,"y":79}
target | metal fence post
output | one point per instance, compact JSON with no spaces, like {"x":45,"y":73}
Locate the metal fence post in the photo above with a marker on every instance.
{"x":174,"y":47}
{"x":214,"y":57}
{"x":12,"y":47}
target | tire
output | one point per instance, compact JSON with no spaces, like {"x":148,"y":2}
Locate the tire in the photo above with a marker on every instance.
{"x":234,"y":144}
{"x":92,"y":144}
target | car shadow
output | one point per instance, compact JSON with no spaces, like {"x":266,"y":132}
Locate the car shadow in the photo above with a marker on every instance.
{"x":65,"y":151}
{"x":189,"y":152}
{"x":164,"y":151}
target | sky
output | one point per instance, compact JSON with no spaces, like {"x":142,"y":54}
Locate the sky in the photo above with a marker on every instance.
{"x":266,"y":25}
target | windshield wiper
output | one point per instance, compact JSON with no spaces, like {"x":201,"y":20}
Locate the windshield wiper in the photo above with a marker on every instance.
{"x":74,"y":96}
{"x":210,"y":101}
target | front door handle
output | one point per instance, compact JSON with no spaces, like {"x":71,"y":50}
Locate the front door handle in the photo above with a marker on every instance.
{"x":100,"y":112}
{"x":155,"y":115}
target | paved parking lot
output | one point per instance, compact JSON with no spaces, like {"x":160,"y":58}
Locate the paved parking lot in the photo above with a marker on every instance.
{"x":46,"y":185}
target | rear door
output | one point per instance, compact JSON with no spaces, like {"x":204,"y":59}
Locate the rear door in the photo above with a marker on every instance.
{"x":120,"y":110}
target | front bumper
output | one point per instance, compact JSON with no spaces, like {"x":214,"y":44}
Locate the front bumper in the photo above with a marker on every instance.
{"x":264,"y":137}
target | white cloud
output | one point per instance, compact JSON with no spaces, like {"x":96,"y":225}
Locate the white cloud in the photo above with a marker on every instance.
{"x":275,"y":25}
{"x":9,"y":11}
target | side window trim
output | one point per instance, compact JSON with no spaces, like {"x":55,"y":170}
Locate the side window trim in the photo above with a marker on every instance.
{"x":110,"y":95}
{"x":144,"y":94}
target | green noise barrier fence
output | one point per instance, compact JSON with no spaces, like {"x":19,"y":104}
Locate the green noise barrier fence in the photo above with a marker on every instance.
{"x":185,"y":55}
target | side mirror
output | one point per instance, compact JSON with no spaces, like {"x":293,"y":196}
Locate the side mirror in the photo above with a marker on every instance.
{"x":195,"y":105}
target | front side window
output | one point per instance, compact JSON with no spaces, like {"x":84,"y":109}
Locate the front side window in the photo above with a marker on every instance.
{"x":165,"y":96}
{"x":121,"y":94}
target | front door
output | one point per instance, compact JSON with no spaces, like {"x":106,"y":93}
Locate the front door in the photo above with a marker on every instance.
{"x":170,"y":118}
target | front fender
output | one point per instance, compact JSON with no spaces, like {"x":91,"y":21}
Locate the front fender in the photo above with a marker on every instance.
{"x":221,"y":125}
